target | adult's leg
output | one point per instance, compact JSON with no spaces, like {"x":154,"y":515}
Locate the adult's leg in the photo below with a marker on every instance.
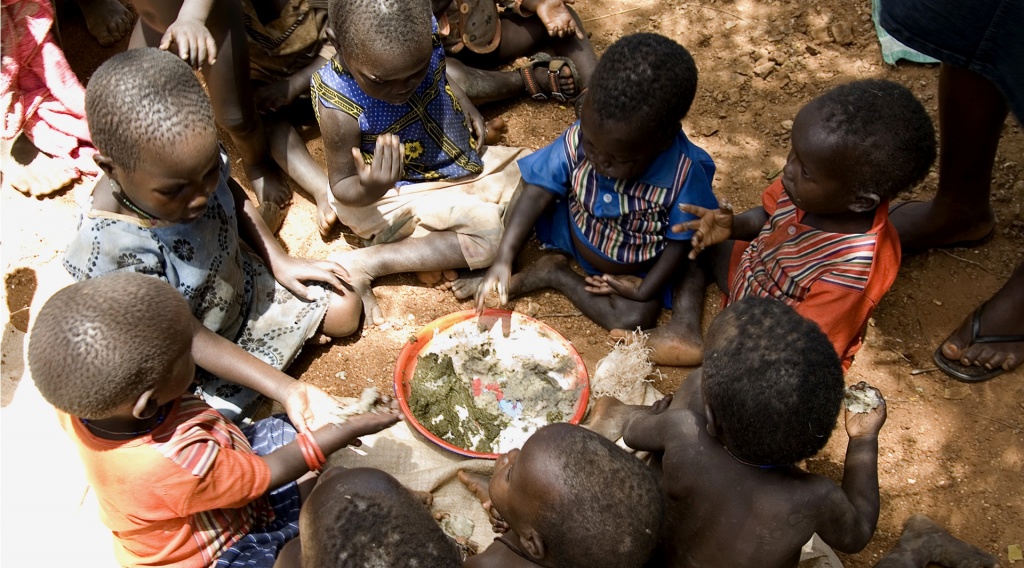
{"x":1003,"y":314}
{"x":923,"y":543}
{"x":971,"y":115}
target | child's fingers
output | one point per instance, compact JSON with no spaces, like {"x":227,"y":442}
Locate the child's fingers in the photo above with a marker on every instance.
{"x":398,"y":158}
{"x":694,"y":209}
{"x":692,"y":225}
{"x":357,"y":157}
{"x":211,"y":49}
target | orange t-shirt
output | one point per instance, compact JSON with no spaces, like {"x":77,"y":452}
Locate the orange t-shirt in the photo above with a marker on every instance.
{"x":833,"y":279}
{"x":180,"y":495}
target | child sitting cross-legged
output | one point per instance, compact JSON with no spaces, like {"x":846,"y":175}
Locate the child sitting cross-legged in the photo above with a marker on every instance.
{"x":822,"y":241}
{"x":727,"y":444}
{"x":178,"y":484}
{"x":570,"y":498}
{"x":607,"y":192}
{"x":166,"y":206}
{"x":404,"y":148}
{"x":363,"y":517}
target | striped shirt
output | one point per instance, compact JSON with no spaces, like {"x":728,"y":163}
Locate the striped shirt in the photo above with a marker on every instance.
{"x":626,"y":221}
{"x":833,"y":279}
{"x":180,"y":495}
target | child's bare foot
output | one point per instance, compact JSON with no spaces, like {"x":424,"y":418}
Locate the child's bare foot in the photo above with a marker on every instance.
{"x":496,"y":129}
{"x":107,"y":20}
{"x":608,"y":416}
{"x":931,"y":543}
{"x":464,"y":288}
{"x":438,"y":278}
{"x":360,"y":281}
{"x":671,"y":345}
{"x":30,"y":171}
{"x":269,"y":184}
{"x":477,"y":484}
{"x":326,"y":218}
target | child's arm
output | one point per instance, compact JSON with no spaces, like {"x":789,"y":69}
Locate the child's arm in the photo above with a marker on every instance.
{"x":189,"y":33}
{"x":290,"y":271}
{"x":287,"y":463}
{"x":648,"y":287}
{"x":713,"y":226}
{"x":852,"y":514}
{"x":353,"y":182}
{"x":307,"y":406}
{"x":476,"y":120}
{"x":526,"y":207}
{"x":282,"y":93}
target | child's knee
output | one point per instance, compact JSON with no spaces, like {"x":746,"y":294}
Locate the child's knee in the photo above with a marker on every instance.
{"x":343,"y":313}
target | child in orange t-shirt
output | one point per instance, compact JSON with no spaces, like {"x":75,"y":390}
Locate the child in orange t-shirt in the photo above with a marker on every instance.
{"x":177,"y":482}
{"x":822,"y":241}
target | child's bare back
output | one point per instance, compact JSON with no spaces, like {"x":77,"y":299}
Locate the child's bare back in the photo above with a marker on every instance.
{"x":726,"y":503}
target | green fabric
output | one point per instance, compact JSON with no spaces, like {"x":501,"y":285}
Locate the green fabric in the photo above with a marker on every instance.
{"x":892,"y":49}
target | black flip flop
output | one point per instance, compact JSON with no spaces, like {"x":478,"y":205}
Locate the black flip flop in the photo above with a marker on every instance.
{"x":973,"y":373}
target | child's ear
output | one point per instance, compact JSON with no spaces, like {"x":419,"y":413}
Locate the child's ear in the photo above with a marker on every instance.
{"x":145,"y":407}
{"x":533,"y":543}
{"x":331,"y":37}
{"x":105,"y":164}
{"x":863,"y":202}
{"x":712,"y":423}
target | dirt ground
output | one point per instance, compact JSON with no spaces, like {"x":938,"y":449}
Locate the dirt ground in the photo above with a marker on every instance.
{"x":949,"y":450}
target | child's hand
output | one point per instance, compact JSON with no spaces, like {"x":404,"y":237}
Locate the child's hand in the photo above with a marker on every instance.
{"x":291,"y":272}
{"x":608,"y":284}
{"x":387,"y":166}
{"x":195,"y":44}
{"x":557,"y":19}
{"x":369,"y":423}
{"x":868,"y":423}
{"x":309,"y":407}
{"x":711,"y":227}
{"x":497,"y":278}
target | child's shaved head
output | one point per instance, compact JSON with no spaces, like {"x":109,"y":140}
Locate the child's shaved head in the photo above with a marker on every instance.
{"x":100,"y":343}
{"x":616,"y":494}
{"x":646,"y":80}
{"x":145,"y":98}
{"x":365,"y":517}
{"x":887,"y":132}
{"x":379,"y":30}
{"x":773,"y":381}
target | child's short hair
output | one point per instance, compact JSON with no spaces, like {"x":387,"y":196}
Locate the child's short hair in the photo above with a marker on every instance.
{"x":616,"y":493}
{"x":888,"y":132}
{"x":357,"y":527}
{"x":143,"y":97}
{"x":380,"y":28}
{"x":773,"y":381}
{"x":647,"y":80}
{"x":104,"y":341}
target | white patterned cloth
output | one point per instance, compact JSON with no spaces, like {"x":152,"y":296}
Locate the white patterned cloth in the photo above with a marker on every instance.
{"x":228,"y":287}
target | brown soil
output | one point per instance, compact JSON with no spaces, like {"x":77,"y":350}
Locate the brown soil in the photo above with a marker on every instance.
{"x":952,"y":451}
